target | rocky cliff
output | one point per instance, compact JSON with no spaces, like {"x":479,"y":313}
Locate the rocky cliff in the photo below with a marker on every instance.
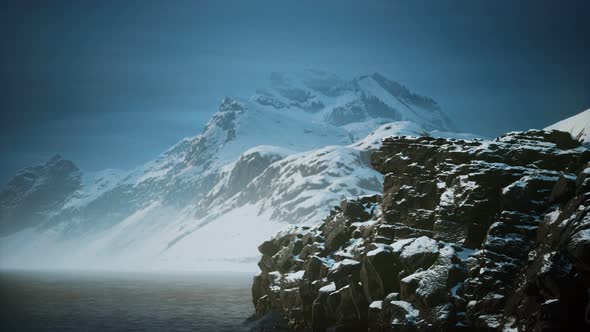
{"x":468,"y":235}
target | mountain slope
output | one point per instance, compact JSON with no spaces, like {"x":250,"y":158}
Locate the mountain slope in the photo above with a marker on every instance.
{"x":260,"y":163}
{"x":578,"y":126}
{"x":36,"y":192}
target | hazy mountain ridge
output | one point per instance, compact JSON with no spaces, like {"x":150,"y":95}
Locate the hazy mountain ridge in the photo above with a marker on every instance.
{"x":199,"y":182}
{"x":37,"y":192}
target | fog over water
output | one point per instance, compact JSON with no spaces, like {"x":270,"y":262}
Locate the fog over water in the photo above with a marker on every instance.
{"x":107,"y":301}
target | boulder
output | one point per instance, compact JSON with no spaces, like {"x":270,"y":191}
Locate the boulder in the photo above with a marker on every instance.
{"x":421,"y":253}
{"x":268,"y":248}
{"x":379,"y":271}
{"x":342,"y":271}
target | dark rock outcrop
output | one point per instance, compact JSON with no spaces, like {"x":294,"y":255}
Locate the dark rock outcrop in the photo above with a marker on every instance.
{"x":468,"y":235}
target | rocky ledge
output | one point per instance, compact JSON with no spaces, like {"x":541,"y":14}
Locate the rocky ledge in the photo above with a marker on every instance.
{"x":468,"y":235}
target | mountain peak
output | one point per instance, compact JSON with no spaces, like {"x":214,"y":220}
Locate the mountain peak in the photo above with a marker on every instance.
{"x":370,"y":97}
{"x":302,"y":85}
{"x":35,"y":192}
{"x":230,"y":104}
{"x":57,"y":163}
{"x":55,"y":158}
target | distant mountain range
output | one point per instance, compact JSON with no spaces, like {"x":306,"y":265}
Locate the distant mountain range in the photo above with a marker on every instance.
{"x":281,"y":157}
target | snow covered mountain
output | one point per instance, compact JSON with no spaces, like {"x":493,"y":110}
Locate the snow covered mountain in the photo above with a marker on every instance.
{"x":283,"y":156}
{"x":36,"y":192}
{"x":578,"y":126}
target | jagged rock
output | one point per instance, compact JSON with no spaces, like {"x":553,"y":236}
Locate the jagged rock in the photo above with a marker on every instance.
{"x":403,"y":313}
{"x":230,"y":104}
{"x":297,"y":247}
{"x":420,"y":253}
{"x":354,"y":210}
{"x":347,"y":306}
{"x":342,"y":271}
{"x":384,"y":319}
{"x":283,"y":259}
{"x":563,"y":189}
{"x":467,"y":235}
{"x":316,"y":268}
{"x":268,"y":248}
{"x":337,"y":232}
{"x":259,"y":286}
{"x":431,"y":290}
{"x":375,"y":314}
{"x":309,"y":250}
{"x":380,"y":268}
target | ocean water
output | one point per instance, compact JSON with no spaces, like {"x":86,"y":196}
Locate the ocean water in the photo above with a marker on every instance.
{"x":100,"y":301}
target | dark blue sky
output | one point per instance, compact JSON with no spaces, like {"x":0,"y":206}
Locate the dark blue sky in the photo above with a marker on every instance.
{"x":113,"y":83}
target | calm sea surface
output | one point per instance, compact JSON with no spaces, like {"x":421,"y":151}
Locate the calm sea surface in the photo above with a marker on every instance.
{"x":98,"y":301}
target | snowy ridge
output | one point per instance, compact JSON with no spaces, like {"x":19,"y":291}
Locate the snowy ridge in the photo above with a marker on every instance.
{"x":578,"y":126}
{"x":281,"y":157}
{"x":94,"y":184}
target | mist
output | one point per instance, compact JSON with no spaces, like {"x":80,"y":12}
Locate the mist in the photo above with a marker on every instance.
{"x":112,"y":85}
